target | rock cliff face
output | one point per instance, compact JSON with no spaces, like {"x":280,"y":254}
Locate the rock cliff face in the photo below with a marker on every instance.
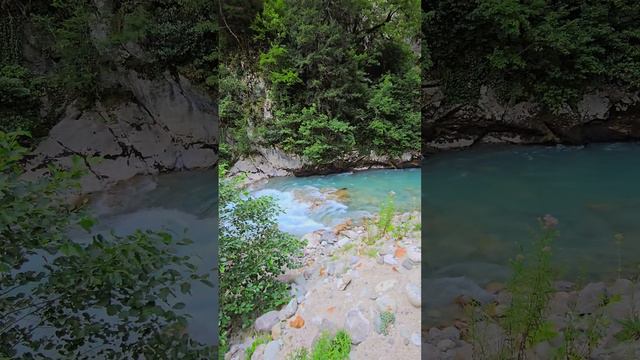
{"x":605,"y":115}
{"x":156,"y":125}
{"x":270,"y":162}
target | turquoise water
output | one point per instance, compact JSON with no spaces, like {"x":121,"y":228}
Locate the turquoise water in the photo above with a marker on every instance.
{"x":308,"y":204}
{"x":183,"y":204}
{"x":481,"y":206}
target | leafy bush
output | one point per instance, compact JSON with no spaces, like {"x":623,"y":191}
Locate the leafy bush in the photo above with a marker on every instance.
{"x":109,"y":297}
{"x":343,"y":77}
{"x":327,"y":348}
{"x":253,"y":252}
{"x":551,"y":51}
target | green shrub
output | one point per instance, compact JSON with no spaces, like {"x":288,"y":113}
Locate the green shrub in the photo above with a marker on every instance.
{"x":385,"y":216}
{"x":549,"y":51}
{"x":257,"y":342}
{"x":386,"y":319}
{"x":630,"y":329}
{"x":327,"y":347}
{"x":253,"y":252}
{"x":131,"y":280}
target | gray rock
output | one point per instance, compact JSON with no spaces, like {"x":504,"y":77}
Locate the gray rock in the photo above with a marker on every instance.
{"x":413,"y":294}
{"x":343,"y":282}
{"x":563,"y":286}
{"x":445,"y":344}
{"x":289,"y":310}
{"x":416,"y":339}
{"x":390,"y":260}
{"x":621,"y":287}
{"x":386,"y":303}
{"x":594,"y":107}
{"x":408,"y":264}
{"x":265,"y":322}
{"x":258,"y":353}
{"x":357,"y":326}
{"x":272,"y":350}
{"x":435,"y":335}
{"x":444,"y":291}
{"x":385,"y":285}
{"x":590,"y":298}
{"x":328,"y":326}
{"x":342,"y":242}
{"x":430,"y":352}
{"x":415,"y":256}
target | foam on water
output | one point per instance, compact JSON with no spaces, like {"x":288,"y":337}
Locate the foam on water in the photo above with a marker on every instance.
{"x":296,"y":217}
{"x":310,"y":203}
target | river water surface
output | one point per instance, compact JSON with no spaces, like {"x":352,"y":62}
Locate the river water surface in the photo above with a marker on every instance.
{"x":183,"y":204}
{"x":481,"y":207}
{"x":312,"y":203}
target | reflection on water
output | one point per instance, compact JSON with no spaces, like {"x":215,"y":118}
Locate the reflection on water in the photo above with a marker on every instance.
{"x":183,"y":204}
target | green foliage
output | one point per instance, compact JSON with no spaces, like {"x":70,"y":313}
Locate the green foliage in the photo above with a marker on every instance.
{"x":386,"y":320}
{"x":531,"y":289}
{"x":238,"y":108}
{"x":385,"y":216}
{"x":342,"y":76}
{"x":316,"y":135}
{"x":630,"y":329}
{"x":327,"y":347}
{"x":19,"y":103}
{"x":551,"y":51}
{"x":108,"y":297}
{"x":257,"y":342}
{"x":253,"y":252}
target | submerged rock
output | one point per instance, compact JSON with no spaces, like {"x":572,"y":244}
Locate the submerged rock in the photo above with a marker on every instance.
{"x":444,"y":291}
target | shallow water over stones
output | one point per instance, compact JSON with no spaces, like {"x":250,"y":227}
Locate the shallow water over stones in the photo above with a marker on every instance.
{"x":317,"y":202}
{"x":481,"y":208}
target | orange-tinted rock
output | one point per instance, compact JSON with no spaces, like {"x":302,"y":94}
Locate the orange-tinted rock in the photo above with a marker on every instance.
{"x":297,"y":322}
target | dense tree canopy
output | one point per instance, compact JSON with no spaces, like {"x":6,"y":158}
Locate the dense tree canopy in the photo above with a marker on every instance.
{"x":340,"y":76}
{"x":550,"y":50}
{"x":73,"y":47}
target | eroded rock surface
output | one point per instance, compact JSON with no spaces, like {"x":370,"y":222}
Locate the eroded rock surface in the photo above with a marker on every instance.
{"x":162,"y":125}
{"x":601,"y":115}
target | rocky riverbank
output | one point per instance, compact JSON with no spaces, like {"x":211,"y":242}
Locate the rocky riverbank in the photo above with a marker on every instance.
{"x":606,"y":115}
{"x":273,"y":162}
{"x":588,"y":320}
{"x":350,"y":280}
